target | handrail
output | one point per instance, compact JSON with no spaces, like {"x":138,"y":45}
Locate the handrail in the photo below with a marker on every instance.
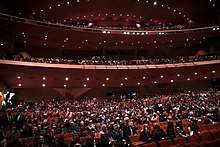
{"x":105,"y":30}
{"x":155,"y":66}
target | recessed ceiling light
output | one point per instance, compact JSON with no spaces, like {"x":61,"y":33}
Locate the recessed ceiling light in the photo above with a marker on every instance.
{"x":121,"y":84}
{"x":161,"y":76}
{"x":41,"y":10}
{"x":87,"y":79}
{"x":107,"y":79}
{"x":188,"y":79}
{"x":144,"y":77}
{"x":126,"y":78}
{"x":68,"y":3}
{"x":205,"y":77}
{"x":195,"y":73}
{"x":84,"y":85}
{"x":43,"y":85}
{"x":19,"y":85}
{"x":25,"y":41}
{"x":139,"y":83}
{"x":155,"y":3}
{"x":18,"y":77}
{"x":50,"y":7}
{"x":58,"y":5}
{"x":178,"y":75}
{"x":44,"y":78}
{"x":155,"y":82}
{"x":66,"y":78}
{"x":171,"y":81}
{"x":64,"y":85}
{"x":213,"y":71}
{"x":103,"y":85}
{"x":2,"y":44}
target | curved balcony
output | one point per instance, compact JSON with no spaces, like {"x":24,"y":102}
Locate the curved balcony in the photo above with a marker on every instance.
{"x":74,"y":66}
{"x":108,"y":30}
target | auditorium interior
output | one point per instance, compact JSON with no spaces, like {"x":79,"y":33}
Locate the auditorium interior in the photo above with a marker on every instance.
{"x":109,"y":73}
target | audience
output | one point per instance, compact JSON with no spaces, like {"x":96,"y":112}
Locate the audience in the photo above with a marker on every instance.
{"x":103,"y":61}
{"x":112,"y":120}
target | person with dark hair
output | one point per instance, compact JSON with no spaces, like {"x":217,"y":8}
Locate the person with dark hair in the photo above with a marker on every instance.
{"x":40,"y":142}
{"x":106,"y":138}
{"x":61,"y":142}
{"x":145,"y":134}
{"x":93,"y":142}
{"x":170,"y":130}
{"x":122,"y":137}
{"x":158,"y":133}
{"x":179,"y":129}
{"x":193,"y":128}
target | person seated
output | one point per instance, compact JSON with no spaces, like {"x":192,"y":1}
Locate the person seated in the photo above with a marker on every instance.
{"x":130,"y":129}
{"x":158,"y":134}
{"x":170,"y":130}
{"x":122,"y":138}
{"x":155,"y":118}
{"x":40,"y":142}
{"x":193,"y":128}
{"x":179,"y":129}
{"x":61,"y":142}
{"x":145,"y":134}
{"x":106,"y":139}
{"x":92,"y":141}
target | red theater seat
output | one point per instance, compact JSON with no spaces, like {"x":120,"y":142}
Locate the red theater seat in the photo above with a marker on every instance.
{"x":165,"y":143}
{"x":206,"y":136}
{"x":153,"y":144}
{"x":193,"y":139}
{"x":180,"y":141}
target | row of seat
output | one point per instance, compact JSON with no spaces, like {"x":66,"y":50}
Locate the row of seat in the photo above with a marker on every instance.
{"x":208,"y":138}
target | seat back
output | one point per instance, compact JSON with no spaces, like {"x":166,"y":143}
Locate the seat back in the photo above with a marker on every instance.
{"x":134,"y":138}
{"x":215,"y":134}
{"x":205,"y":136}
{"x":193,"y":138}
{"x":181,"y":141}
{"x":165,"y":143}
{"x":153,"y":144}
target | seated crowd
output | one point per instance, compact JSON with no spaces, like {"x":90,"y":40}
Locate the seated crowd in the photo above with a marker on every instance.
{"x":145,"y":27}
{"x":102,"y":61}
{"x":109,"y":122}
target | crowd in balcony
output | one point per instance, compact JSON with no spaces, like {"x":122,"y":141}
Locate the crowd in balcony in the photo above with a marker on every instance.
{"x":100,"y":60}
{"x":108,"y":122}
{"x":147,"y":25}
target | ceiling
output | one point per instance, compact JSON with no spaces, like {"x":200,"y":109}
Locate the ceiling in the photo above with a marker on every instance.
{"x":107,"y":13}
{"x":13,"y":75}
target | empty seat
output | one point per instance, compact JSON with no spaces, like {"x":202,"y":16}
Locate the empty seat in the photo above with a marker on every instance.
{"x":181,"y":141}
{"x":165,"y":143}
{"x":198,"y":145}
{"x":215,"y":134}
{"x":193,"y":138}
{"x":215,"y":126}
{"x":153,"y":144}
{"x":205,"y":136}
{"x":213,"y":143}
